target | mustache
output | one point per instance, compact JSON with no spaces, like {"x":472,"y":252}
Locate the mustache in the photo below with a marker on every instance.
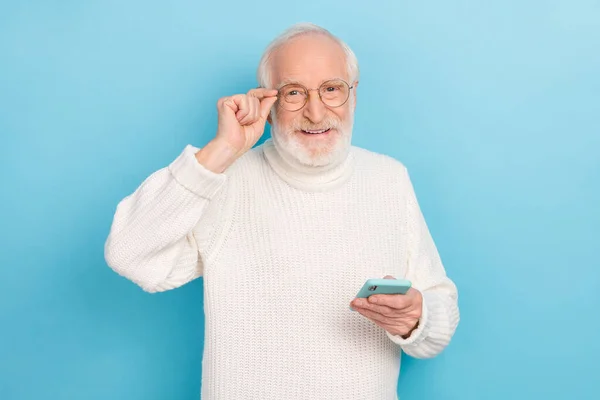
{"x":305,"y":125}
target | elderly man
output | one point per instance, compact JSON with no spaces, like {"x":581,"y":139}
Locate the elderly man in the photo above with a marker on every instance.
{"x":286,"y":233}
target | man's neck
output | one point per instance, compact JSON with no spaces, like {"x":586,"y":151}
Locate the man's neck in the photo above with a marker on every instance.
{"x":306,"y":177}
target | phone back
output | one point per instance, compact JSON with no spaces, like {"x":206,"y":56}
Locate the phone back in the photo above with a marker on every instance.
{"x":384,"y":286}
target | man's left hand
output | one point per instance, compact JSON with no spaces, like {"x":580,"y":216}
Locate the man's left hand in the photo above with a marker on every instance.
{"x":396,"y":313}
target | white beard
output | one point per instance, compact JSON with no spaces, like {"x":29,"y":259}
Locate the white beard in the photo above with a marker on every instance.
{"x":291,"y":147}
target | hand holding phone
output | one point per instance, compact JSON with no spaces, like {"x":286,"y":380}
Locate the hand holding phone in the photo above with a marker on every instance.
{"x":398,"y":315}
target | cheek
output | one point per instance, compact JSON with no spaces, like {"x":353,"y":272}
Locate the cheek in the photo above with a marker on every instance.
{"x":341,"y":112}
{"x":289,"y":121}
{"x":284,"y":119}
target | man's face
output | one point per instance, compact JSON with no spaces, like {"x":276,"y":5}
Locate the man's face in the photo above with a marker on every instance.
{"x":310,"y":61}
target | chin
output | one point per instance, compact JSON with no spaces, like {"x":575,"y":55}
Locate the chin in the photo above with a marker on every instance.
{"x":317,"y":151}
{"x":313,"y":149}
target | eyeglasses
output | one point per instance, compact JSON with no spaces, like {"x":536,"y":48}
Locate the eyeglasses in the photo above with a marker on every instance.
{"x":333,"y":93}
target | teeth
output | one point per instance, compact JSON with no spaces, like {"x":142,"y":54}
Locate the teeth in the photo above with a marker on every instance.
{"x":320,"y":131}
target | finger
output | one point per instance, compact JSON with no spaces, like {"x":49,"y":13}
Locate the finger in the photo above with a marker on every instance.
{"x":251,"y":116}
{"x":253,"y":112}
{"x":227,"y":104}
{"x":255,"y":106}
{"x":372,"y":315}
{"x":261,"y":93}
{"x":265,"y":106}
{"x":244,"y":108}
{"x":380,"y":309}
{"x":388,"y":277}
{"x":396,"y":302}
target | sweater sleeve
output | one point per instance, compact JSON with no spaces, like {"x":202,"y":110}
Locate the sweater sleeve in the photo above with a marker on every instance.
{"x":440,"y":314}
{"x":152,"y":240}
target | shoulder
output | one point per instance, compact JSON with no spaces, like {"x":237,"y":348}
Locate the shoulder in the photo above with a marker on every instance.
{"x":246,"y":166}
{"x":373,"y":157}
{"x":380,"y":166}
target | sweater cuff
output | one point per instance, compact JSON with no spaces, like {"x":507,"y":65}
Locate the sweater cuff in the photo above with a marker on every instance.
{"x":194,"y":176}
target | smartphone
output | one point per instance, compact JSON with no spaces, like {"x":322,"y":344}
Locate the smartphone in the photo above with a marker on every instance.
{"x":384,"y":286}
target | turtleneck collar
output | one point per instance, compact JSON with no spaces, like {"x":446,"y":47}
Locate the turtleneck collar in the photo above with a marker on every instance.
{"x":304,"y":177}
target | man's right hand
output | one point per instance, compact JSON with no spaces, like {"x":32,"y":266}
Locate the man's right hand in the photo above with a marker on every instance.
{"x":241,"y":123}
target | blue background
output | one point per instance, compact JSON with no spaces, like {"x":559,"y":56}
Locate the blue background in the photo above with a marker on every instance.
{"x":493,"y":106}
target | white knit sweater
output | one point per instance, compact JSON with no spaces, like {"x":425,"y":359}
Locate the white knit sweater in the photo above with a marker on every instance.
{"x":283,"y":251}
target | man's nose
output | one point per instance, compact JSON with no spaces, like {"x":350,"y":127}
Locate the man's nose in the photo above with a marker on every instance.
{"x":314,"y":110}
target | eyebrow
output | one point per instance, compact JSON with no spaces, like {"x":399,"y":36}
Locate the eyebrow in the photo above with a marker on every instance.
{"x":289,"y":81}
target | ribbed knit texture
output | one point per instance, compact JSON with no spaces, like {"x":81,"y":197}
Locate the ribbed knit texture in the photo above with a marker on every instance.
{"x":283,"y":252}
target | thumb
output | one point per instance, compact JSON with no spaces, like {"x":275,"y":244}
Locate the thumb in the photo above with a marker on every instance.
{"x":388,"y":277}
{"x":265,"y":106}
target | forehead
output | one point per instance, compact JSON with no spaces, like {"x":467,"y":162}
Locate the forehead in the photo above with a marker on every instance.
{"x":309,"y":60}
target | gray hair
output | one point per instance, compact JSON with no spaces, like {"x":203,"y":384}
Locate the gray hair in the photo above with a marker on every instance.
{"x":263,"y":74}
